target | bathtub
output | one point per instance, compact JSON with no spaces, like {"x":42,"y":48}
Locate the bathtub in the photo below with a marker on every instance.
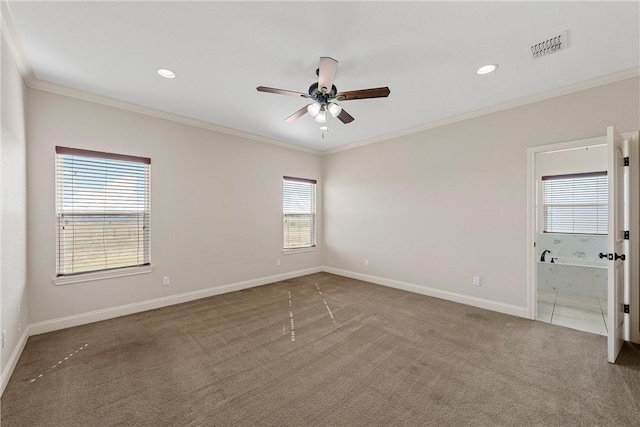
{"x":574,"y":277}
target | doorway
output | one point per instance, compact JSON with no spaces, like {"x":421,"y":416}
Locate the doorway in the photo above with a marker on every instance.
{"x":570,"y":274}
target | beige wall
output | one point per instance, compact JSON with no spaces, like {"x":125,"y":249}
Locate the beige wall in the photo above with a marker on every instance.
{"x":13,"y":209}
{"x":216,"y":204}
{"x":432,"y":209}
{"x":437,"y":207}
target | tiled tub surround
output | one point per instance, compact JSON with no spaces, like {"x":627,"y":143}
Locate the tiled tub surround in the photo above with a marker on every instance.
{"x":578,"y":269}
{"x":579,"y":249}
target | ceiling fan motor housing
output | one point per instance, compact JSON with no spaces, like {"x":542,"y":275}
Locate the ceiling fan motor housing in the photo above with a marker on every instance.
{"x":322,"y":97}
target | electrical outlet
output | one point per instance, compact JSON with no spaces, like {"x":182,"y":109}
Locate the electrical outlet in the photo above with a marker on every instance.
{"x":366,"y":262}
{"x":277,"y":261}
{"x":166,"y":281}
{"x":476,"y":280}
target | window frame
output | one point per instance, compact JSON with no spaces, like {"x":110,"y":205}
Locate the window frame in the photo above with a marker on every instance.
{"x":314,"y":214}
{"x":62,"y":277}
{"x":597,"y":204}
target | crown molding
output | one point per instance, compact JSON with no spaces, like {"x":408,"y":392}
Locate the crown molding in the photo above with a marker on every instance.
{"x":34,"y":83}
{"x":565,"y":90}
{"x":136,"y":108}
{"x":10,"y":35}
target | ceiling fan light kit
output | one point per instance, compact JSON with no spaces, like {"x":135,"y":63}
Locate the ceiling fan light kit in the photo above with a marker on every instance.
{"x":334,"y":109}
{"x":313,"y":109}
{"x":324,"y":94}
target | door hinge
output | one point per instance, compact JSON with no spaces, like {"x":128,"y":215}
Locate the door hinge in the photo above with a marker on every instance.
{"x":626,"y":161}
{"x":626,"y":235}
{"x":626,"y":308}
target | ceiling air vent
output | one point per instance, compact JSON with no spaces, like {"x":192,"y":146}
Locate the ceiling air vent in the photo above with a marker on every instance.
{"x":549,"y":46}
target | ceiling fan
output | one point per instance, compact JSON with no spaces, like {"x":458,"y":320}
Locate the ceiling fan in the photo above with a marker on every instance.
{"x":325,"y":94}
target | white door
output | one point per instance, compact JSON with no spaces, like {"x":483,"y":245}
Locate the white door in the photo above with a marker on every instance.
{"x":616,"y":244}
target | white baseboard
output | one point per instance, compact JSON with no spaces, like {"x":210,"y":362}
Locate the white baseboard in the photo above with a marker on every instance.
{"x":137,"y":307}
{"x":500,"y":307}
{"x":13,"y":360}
{"x":123,"y":310}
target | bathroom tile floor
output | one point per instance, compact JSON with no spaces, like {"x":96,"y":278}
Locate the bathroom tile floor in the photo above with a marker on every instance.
{"x":584,"y":313}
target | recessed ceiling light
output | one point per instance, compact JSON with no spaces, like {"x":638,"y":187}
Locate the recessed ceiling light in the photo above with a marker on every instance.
{"x":167,"y":74}
{"x":486,"y":69}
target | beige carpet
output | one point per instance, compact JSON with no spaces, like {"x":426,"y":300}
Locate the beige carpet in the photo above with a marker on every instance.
{"x":342,"y":353}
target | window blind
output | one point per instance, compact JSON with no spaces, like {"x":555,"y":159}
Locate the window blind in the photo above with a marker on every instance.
{"x":299,"y":212}
{"x":102,"y":211}
{"x":577,"y":203}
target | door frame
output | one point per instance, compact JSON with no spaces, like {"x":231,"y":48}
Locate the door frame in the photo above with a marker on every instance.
{"x":632,"y":327}
{"x":618,"y":270}
{"x":632,"y":331}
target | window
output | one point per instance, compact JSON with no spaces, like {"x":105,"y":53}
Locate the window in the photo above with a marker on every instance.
{"x":576,"y":203}
{"x":102,"y":211}
{"x":299,"y":212}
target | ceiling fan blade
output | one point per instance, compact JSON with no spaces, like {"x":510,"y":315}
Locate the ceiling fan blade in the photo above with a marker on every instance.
{"x":345,"y":117}
{"x":327,"y":72}
{"x":378,"y":92}
{"x":301,"y":112}
{"x":281,"y":91}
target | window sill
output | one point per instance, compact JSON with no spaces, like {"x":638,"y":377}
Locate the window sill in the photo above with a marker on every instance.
{"x":99,"y":275}
{"x":559,"y":233}
{"x":299,"y":250}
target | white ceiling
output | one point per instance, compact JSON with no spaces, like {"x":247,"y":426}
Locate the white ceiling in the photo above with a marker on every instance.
{"x":426,"y":52}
